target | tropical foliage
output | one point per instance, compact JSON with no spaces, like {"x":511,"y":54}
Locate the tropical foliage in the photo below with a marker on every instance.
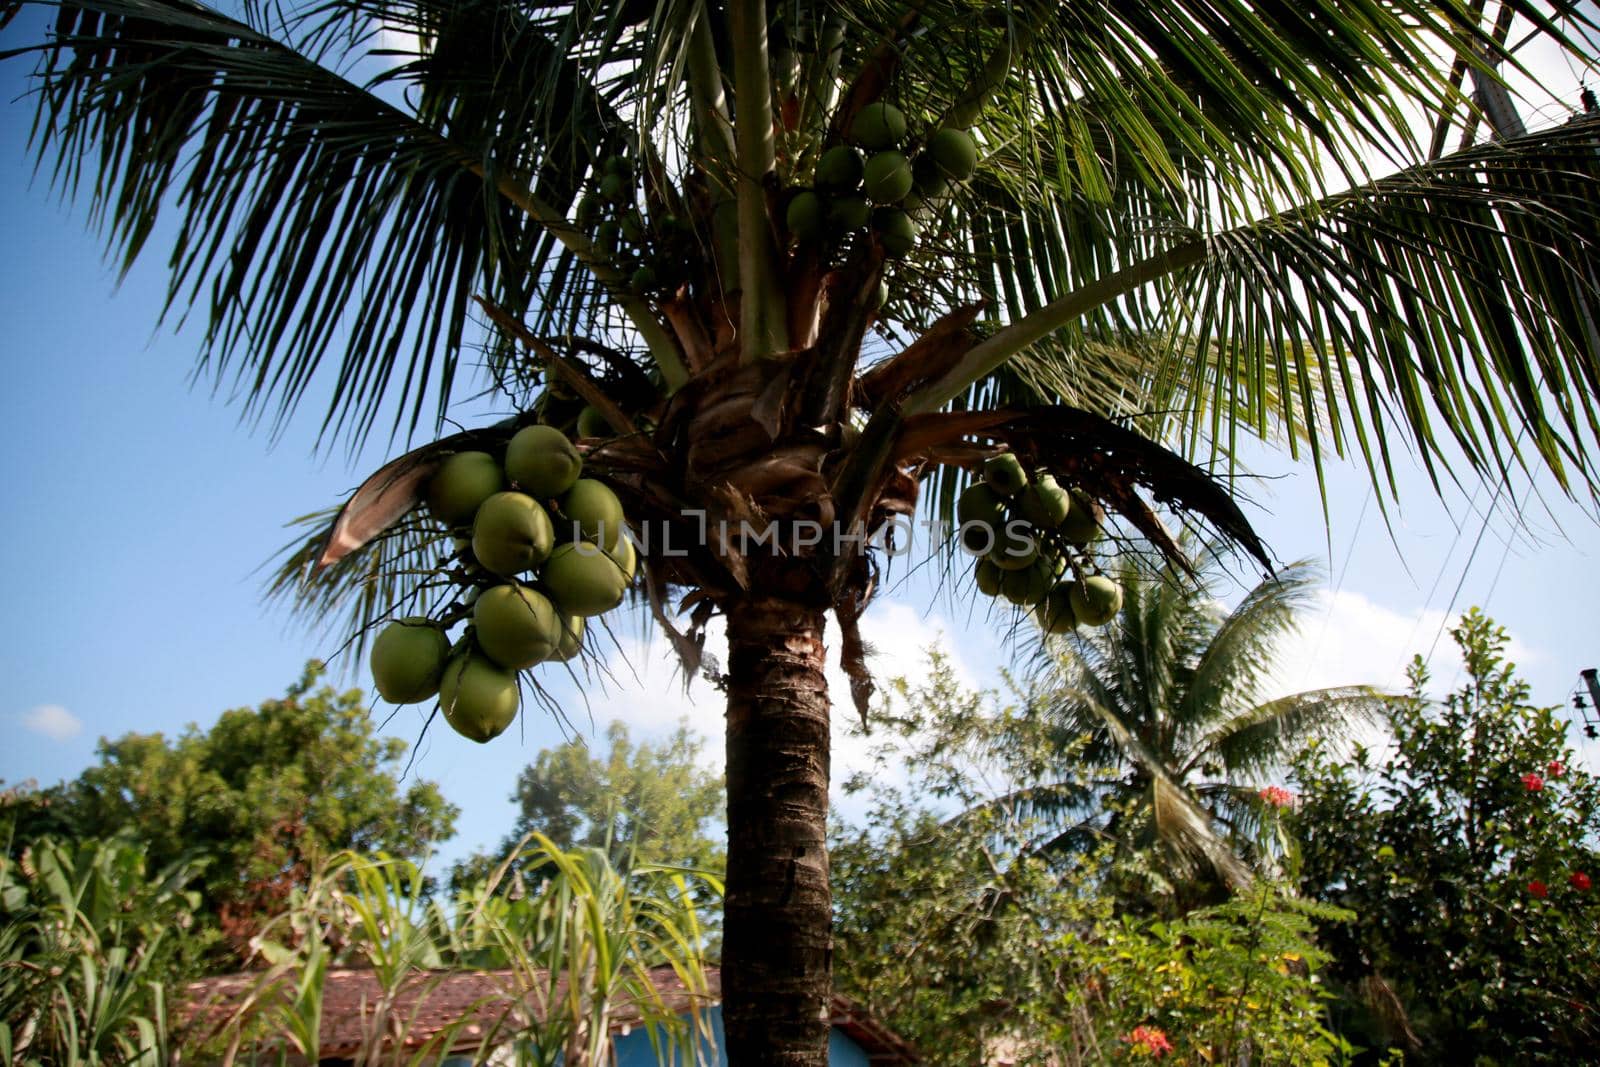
{"x":644,"y":802}
{"x":975,"y":943}
{"x":91,"y":936}
{"x":1173,"y":701}
{"x":1153,"y":229}
{"x":564,"y":957}
{"x":264,"y":795}
{"x":91,"y":974}
{"x":1468,"y":854}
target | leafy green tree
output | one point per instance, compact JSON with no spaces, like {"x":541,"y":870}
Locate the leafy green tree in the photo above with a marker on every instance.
{"x":645,"y":803}
{"x":970,"y":940}
{"x":1170,"y":697}
{"x":1468,"y":854}
{"x":1140,"y":245}
{"x":263,"y":794}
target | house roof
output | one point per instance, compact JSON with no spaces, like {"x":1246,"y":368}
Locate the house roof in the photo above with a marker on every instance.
{"x":432,"y":1000}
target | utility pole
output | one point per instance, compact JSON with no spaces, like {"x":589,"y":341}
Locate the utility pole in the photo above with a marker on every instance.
{"x":1492,"y":96}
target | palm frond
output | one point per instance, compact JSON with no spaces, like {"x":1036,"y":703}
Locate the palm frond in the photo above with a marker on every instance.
{"x":1043,"y":804}
{"x":1241,"y":647}
{"x":1454,"y":303}
{"x":396,"y":572}
{"x":1268,"y":735}
{"x":315,"y":216}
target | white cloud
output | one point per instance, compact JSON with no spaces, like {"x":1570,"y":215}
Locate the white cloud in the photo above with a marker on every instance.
{"x":1351,"y":640}
{"x":53,"y":721}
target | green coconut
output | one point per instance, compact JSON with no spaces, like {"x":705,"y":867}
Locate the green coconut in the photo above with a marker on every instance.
{"x":880,"y":295}
{"x":1096,"y":600}
{"x":512,"y":534}
{"x":928,"y":180}
{"x":980,"y":513}
{"x":896,"y":232}
{"x":461,"y":483}
{"x":542,"y":462}
{"x":591,"y":423}
{"x":979,"y":538}
{"x":590,"y":208}
{"x":1030,"y":585}
{"x":516,"y":626}
{"x":627,"y":558}
{"x":1082,"y":524}
{"x":839,"y":170}
{"x":1004,"y":473}
{"x":607,"y":236}
{"x":632,"y":227}
{"x":593,"y":513}
{"x":848,"y":212}
{"x":878,"y":125}
{"x":887,"y":177}
{"x":616,"y":187}
{"x":407,"y":660}
{"x":583,"y":579}
{"x":989,"y":577}
{"x":1044,"y":503}
{"x":478,"y":699}
{"x":644,"y":280}
{"x":805,"y":215}
{"x":1055,"y":614}
{"x":571,"y":639}
{"x":979,"y":502}
{"x":1015,"y":547}
{"x":955,"y":153}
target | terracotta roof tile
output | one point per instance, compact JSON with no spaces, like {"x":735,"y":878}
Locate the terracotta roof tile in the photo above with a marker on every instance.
{"x":432,"y":1000}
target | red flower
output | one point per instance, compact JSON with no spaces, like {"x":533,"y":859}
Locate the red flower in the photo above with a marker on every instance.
{"x":1538,"y":889}
{"x":1580,"y":881}
{"x":1150,"y":1039}
{"x":1556,"y":768}
{"x":1277,"y":796}
{"x":1532,"y":782}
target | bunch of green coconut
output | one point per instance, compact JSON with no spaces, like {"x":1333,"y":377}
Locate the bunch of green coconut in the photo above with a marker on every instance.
{"x":1032,"y":541}
{"x":540,"y":549}
{"x":871,"y":183}
{"x":650,"y":254}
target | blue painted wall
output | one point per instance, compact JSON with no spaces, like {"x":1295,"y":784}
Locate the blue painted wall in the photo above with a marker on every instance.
{"x":634,"y":1050}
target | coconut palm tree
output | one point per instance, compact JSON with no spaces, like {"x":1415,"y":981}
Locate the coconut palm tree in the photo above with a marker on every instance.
{"x":1173,"y":695}
{"x":1127,"y":224}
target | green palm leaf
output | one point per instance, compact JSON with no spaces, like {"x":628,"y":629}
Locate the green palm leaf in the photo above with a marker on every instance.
{"x":1267,"y":736}
{"x":1171,"y":693}
{"x":315,"y":215}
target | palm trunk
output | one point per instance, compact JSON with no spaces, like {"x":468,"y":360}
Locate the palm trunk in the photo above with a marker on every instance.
{"x":777,"y":938}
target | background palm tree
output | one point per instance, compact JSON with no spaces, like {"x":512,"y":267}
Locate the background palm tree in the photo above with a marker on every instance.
{"x":366,"y":191}
{"x":1173,"y":695}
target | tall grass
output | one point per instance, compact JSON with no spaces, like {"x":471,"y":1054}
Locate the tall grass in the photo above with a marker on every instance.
{"x":86,"y":973}
{"x":565,"y":956}
{"x":84,"y":948}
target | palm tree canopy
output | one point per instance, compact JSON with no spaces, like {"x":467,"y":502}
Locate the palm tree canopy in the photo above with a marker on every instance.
{"x":346,"y":175}
{"x":1173,"y":693}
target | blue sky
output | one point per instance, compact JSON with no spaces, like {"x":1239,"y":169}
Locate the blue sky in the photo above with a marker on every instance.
{"x":138,"y":507}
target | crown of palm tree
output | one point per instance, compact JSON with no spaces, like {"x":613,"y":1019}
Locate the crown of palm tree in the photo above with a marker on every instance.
{"x":1174,"y":694}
